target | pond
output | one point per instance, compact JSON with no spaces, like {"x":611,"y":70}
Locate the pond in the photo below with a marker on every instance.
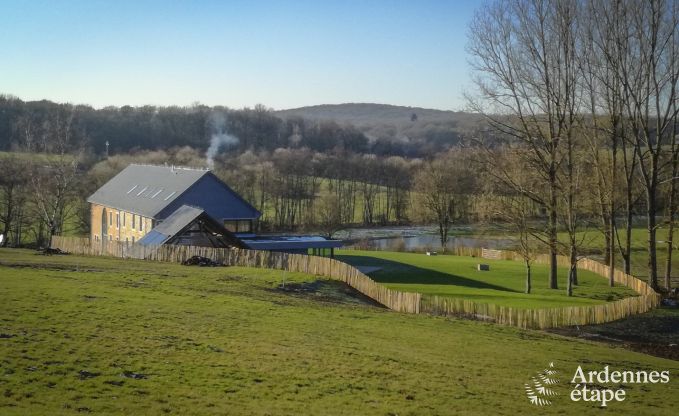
{"x":417,"y":238}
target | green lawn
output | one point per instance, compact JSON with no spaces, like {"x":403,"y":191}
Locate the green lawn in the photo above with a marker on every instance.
{"x":504,"y":284}
{"x":593,"y":241}
{"x":106,"y":336}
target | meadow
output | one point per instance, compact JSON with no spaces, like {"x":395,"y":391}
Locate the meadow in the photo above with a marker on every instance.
{"x":504,"y":284}
{"x":593,"y":242}
{"x":108,"y":336}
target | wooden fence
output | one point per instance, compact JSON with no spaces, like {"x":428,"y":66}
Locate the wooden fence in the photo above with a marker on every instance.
{"x":322,"y":266}
{"x":399,"y":301}
{"x":548,"y":317}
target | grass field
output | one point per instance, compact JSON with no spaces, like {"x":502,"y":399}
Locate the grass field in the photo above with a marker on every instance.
{"x":106,"y":336}
{"x":504,"y":284}
{"x":593,"y":240}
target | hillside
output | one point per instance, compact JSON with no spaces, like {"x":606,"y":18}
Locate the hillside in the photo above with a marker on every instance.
{"x":106,"y":336}
{"x":390,"y":122}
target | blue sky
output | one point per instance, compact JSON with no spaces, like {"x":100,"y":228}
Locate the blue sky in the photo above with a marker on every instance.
{"x":281,"y":54}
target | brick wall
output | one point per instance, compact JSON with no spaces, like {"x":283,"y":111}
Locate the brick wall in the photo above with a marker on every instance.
{"x":118,"y":225}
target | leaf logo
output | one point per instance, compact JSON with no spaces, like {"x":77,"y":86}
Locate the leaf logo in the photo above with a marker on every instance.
{"x":539,"y":390}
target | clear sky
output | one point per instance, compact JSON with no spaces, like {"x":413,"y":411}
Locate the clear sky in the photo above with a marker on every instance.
{"x":282,"y":54}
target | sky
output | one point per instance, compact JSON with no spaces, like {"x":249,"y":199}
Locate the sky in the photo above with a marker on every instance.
{"x":283,"y":54}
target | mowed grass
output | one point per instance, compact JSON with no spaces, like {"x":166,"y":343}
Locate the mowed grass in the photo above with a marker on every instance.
{"x":504,"y":284}
{"x":593,"y":240}
{"x":108,"y":336}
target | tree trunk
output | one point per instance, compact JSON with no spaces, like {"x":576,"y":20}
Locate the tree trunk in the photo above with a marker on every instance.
{"x":651,"y":229}
{"x":670,"y":238}
{"x":611,"y":250}
{"x":608,"y":247}
{"x":573,"y":270}
{"x":668,"y":261}
{"x":443,"y":234}
{"x":528,"y":285}
{"x":553,"y":245}
{"x":627,"y":256}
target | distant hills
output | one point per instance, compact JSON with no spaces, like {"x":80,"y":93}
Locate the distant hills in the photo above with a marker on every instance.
{"x":394,"y":123}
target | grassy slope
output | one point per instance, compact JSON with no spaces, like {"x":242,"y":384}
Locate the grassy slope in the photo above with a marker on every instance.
{"x":220,"y":341}
{"x":503,"y":285}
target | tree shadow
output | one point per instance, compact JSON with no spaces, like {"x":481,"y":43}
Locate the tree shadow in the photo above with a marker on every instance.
{"x":396,"y":272}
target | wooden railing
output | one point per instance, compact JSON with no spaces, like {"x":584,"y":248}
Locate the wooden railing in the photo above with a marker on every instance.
{"x":396,"y":300}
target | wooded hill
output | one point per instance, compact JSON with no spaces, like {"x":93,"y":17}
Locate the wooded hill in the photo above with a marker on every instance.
{"x":389,"y":125}
{"x":354,"y":128}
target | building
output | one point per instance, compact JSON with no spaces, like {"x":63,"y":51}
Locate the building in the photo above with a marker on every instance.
{"x":191,"y":226}
{"x":149,"y":204}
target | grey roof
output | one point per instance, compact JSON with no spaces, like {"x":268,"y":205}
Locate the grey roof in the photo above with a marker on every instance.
{"x":182,"y":218}
{"x":172,"y":225}
{"x":146,"y":189}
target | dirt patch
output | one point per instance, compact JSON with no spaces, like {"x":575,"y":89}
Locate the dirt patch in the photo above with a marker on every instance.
{"x":654,"y":333}
{"x":46,"y":266}
{"x":201,"y":261}
{"x":133,"y":375}
{"x":326,"y":291}
{"x":84,"y":374}
{"x":52,"y":252}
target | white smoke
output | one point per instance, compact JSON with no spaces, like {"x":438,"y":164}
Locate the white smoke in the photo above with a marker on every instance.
{"x":219,"y":137}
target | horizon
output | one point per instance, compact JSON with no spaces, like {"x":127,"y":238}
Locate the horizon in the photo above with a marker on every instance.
{"x":237,"y":54}
{"x":14,"y":96}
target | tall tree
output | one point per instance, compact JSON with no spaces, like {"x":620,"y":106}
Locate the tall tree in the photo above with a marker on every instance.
{"x":523,"y":54}
{"x":650,"y":84}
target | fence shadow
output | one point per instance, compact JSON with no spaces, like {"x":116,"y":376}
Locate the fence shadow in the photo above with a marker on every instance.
{"x":397,"y":272}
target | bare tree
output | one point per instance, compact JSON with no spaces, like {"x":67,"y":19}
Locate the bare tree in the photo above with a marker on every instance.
{"x":649,"y":81}
{"x":13,"y":196}
{"x":516,"y":214}
{"x":52,"y":176}
{"x":441,"y":187}
{"x":523,"y":53}
{"x":671,"y":207}
{"x":329,"y":218}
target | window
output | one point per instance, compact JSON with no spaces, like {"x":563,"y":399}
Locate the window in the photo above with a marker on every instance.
{"x":134,"y":221}
{"x":141,"y":223}
{"x":118,"y":219}
{"x":110,"y":218}
{"x":132,"y":239}
{"x":124,"y":218}
{"x":238,"y":226}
